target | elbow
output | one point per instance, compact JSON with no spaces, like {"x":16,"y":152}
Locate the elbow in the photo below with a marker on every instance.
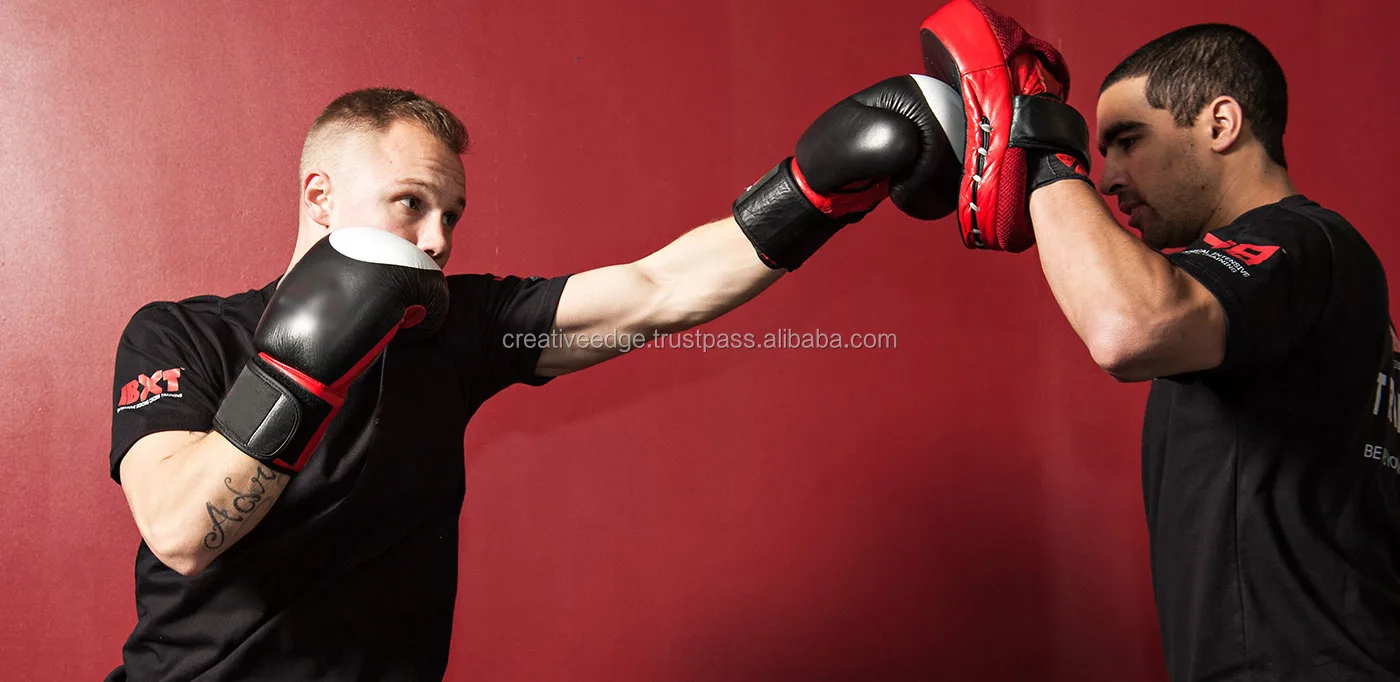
{"x":676,"y":319}
{"x":184,"y":555}
{"x":670,"y":308}
{"x":680,"y":298}
{"x":1123,"y":367}
{"x":1148,"y":342}
{"x":184,"y":564}
{"x":1122,"y":347}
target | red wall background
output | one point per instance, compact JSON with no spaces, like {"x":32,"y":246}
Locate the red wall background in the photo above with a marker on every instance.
{"x":964,"y":507}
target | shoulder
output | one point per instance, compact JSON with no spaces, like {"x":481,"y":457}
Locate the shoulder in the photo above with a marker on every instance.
{"x":1289,"y":233}
{"x":491,"y":290}
{"x":1293,"y":221}
{"x":1346,"y":240}
{"x":1304,"y":222}
{"x":1309,"y":210}
{"x":485,"y":306}
{"x":489,"y":281}
{"x":198,"y":317}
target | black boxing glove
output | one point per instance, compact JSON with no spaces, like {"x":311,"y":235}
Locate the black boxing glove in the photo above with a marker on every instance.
{"x":891,"y":139}
{"x":331,"y":316}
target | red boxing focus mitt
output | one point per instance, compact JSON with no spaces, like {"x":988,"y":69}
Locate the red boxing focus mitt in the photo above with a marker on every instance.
{"x":1014,"y":87}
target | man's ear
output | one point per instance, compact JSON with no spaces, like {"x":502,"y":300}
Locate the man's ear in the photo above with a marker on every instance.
{"x":316,"y":197}
{"x":1225,"y":118}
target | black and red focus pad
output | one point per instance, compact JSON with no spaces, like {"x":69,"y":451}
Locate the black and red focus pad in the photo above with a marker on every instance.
{"x":992,"y":62}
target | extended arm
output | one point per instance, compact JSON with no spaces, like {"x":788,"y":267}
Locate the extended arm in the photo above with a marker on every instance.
{"x":882,"y":141}
{"x":700,"y":276}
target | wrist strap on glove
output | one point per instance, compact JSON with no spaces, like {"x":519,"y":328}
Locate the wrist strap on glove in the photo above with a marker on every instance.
{"x":783,"y":225}
{"x":1050,"y":167}
{"x":1055,"y":137}
{"x":275,"y":414}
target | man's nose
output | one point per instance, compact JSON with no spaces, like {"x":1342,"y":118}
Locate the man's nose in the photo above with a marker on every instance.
{"x":1113,"y":179}
{"x":433,"y":240}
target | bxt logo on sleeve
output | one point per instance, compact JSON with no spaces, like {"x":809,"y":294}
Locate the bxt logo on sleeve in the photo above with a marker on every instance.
{"x":144,"y":390}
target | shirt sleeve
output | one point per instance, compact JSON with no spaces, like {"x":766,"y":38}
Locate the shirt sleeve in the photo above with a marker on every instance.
{"x":495,"y":325}
{"x":160,"y":382}
{"x":1272,"y":278}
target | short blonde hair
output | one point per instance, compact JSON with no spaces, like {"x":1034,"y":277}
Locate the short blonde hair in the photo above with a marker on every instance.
{"x":375,"y":110}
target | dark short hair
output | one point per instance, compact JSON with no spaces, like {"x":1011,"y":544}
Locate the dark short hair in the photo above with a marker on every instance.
{"x":1188,"y":67}
{"x":376,"y":109}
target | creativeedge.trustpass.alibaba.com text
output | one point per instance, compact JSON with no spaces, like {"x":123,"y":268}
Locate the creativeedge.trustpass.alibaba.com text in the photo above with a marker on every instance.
{"x":781,"y":339}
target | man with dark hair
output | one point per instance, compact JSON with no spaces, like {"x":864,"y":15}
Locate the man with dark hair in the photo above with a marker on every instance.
{"x":1270,"y":440}
{"x":292,"y":454}
{"x":1190,"y":66}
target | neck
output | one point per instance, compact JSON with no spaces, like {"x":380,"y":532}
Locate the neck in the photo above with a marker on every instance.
{"x":307,"y":236}
{"x":1248,"y":186}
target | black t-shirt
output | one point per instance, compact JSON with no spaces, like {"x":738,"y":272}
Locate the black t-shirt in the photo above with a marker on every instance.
{"x":352,"y":574}
{"x":1271,"y":481}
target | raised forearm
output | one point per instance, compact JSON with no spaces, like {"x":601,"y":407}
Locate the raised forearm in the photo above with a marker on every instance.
{"x":1095,"y":268}
{"x":195,"y":502}
{"x":882,"y":141}
{"x":1139,"y":315}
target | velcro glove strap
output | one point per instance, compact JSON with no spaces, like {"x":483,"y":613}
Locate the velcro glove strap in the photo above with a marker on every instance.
{"x":1047,"y":124}
{"x":272,"y":417}
{"x":784,"y":227}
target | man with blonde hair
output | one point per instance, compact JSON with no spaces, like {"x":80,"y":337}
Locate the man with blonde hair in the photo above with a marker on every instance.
{"x":292,"y":455}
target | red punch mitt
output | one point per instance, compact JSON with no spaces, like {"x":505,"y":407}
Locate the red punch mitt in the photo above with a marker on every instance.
{"x":1014,"y":87}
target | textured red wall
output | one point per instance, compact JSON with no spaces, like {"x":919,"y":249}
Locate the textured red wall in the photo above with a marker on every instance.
{"x":963,"y":507}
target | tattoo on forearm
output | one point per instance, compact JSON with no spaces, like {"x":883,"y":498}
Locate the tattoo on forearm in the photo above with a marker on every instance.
{"x":244,"y":503}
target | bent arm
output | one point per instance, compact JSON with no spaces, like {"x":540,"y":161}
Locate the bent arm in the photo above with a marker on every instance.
{"x":700,"y":276}
{"x":193,"y":495}
{"x":1140,"y":316}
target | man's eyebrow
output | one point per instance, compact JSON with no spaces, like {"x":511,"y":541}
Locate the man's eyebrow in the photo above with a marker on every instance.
{"x":1114,"y":131}
{"x":428,"y":187}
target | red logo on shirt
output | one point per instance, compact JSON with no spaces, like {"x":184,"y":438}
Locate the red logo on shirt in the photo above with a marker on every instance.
{"x":144,"y":390}
{"x":1249,"y":254}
